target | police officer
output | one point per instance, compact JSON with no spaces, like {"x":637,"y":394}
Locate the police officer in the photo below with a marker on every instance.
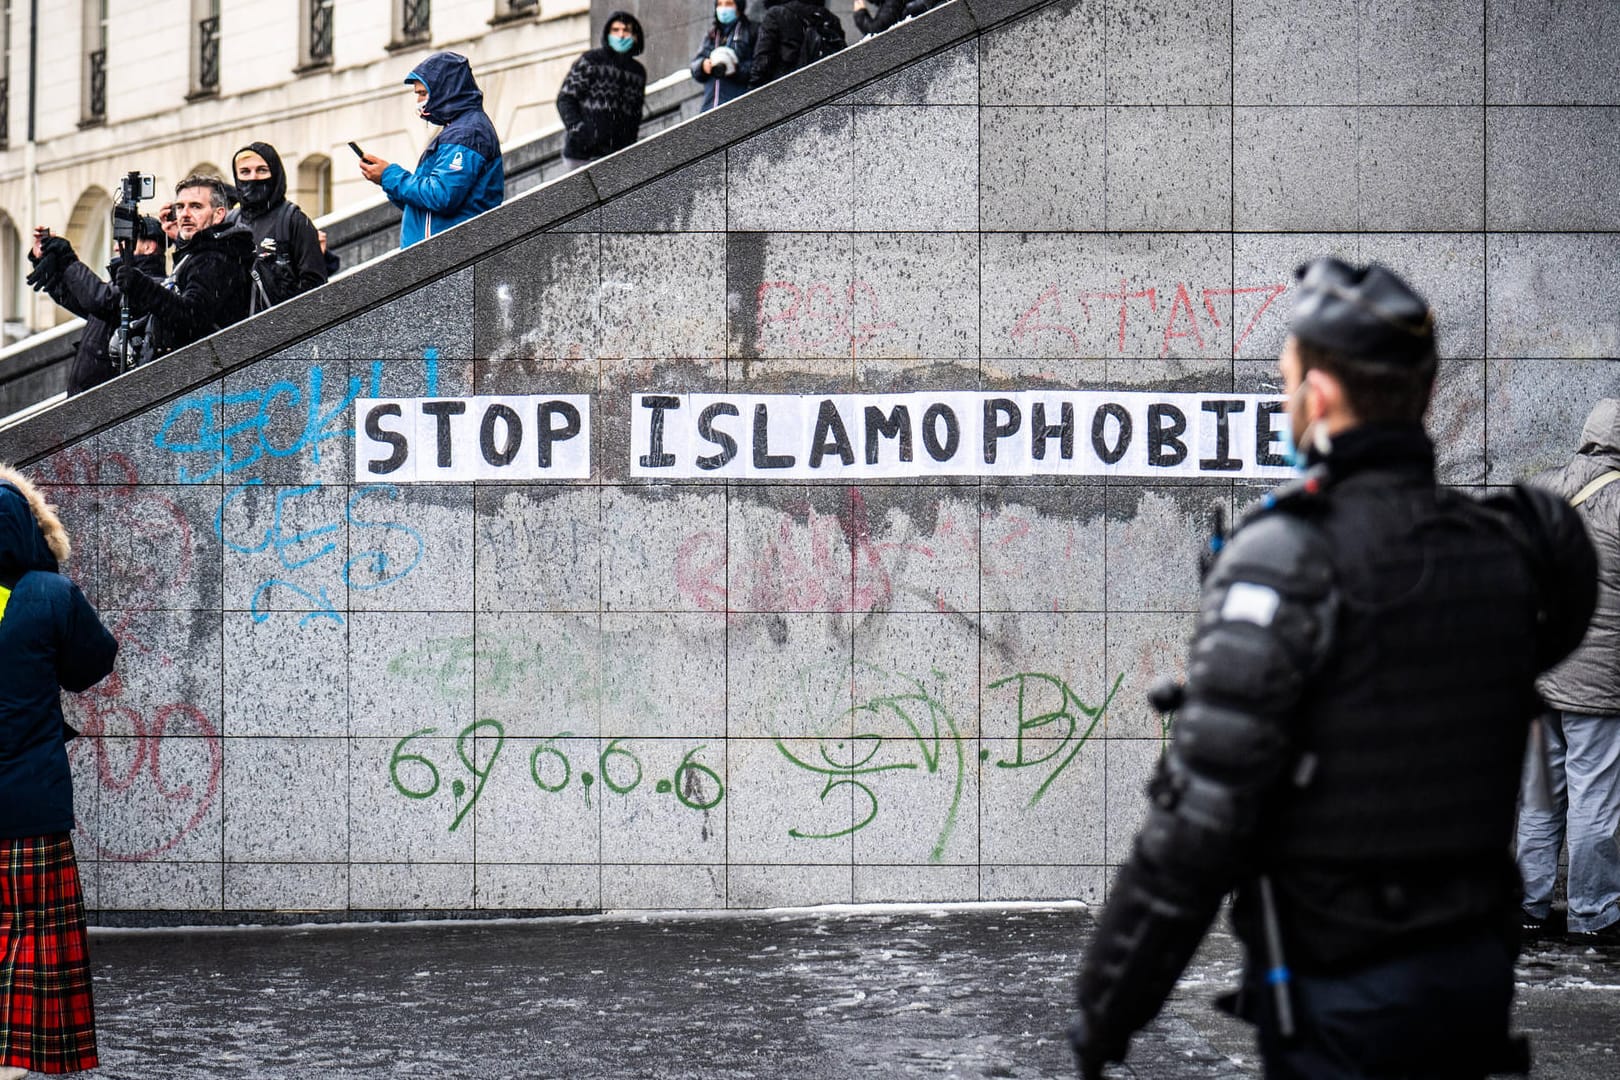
{"x":1348,"y":741}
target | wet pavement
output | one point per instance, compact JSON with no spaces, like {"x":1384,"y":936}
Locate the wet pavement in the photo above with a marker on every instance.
{"x":958,"y":991}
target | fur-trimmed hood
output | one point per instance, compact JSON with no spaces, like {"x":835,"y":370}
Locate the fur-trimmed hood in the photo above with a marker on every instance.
{"x":31,"y":535}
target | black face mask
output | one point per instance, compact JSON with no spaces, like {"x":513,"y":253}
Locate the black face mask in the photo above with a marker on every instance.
{"x":255,"y":194}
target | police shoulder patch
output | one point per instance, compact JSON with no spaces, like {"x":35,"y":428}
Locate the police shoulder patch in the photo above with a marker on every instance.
{"x":1248,"y":602}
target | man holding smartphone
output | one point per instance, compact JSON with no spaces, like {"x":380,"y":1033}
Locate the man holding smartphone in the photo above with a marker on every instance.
{"x":461,"y":173}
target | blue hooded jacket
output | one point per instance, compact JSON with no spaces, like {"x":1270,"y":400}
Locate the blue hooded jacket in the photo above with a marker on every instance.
{"x":50,"y":640}
{"x":460,"y":174}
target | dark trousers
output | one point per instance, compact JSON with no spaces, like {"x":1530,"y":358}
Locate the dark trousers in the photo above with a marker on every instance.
{"x":1438,"y":1014}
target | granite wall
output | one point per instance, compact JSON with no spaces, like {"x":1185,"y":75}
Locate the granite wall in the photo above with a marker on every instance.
{"x":340,"y":696}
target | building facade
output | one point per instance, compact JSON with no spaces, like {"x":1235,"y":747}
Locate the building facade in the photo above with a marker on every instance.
{"x":93,"y":89}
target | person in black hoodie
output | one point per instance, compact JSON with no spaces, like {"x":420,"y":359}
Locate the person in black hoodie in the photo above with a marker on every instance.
{"x":793,"y":33}
{"x":294,"y":263}
{"x":601,"y":99}
{"x":209,"y":287}
{"x":74,"y":286}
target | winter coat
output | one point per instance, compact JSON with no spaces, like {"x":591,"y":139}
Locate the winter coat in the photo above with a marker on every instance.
{"x":207,"y":290}
{"x":779,"y":48}
{"x":739,"y":37}
{"x":880,"y":15}
{"x":75,"y":287}
{"x":50,"y":640}
{"x":461,"y":173}
{"x":601,"y":99}
{"x":1589,"y":680}
{"x":298,"y":265}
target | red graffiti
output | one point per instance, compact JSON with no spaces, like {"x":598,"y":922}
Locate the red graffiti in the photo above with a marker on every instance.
{"x":816,"y":561}
{"x":160,"y":811}
{"x":158,"y":766}
{"x":817,"y":319}
{"x":1182,"y":320}
{"x":810,"y":561}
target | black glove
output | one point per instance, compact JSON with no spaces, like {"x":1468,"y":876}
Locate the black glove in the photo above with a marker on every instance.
{"x":1092,"y":1050}
{"x":127,"y":273}
{"x":55,"y":254}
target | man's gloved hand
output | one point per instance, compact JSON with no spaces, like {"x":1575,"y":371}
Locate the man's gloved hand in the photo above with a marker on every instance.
{"x":1093,"y":1048}
{"x":55,"y":253}
{"x":127,"y":273}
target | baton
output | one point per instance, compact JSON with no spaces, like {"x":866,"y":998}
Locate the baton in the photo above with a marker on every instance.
{"x":1277,"y":976}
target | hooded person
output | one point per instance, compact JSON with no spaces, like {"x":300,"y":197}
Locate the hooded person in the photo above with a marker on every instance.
{"x":601,"y":100}
{"x":75,"y":287}
{"x":51,"y":640}
{"x":1581,"y":732}
{"x":460,"y":174}
{"x":210,"y":286}
{"x":294,"y":264}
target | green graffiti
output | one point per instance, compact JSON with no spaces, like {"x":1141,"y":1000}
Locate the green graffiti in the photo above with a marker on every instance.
{"x":933,"y":731}
{"x":1071,"y":740}
{"x":415,"y":776}
{"x":458,"y":788}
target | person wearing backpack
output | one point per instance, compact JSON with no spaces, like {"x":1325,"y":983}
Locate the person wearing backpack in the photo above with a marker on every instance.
{"x":1579,"y":781}
{"x":726,"y":57}
{"x":793,"y":34}
{"x":292,"y":262}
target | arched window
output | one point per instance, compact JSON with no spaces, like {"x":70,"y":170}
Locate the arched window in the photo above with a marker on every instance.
{"x":90,"y":230}
{"x":206,"y":168}
{"x":13,"y":326}
{"x":314,"y":195}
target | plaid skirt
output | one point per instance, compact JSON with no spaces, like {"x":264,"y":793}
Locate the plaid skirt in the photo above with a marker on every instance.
{"x":47,"y":1019}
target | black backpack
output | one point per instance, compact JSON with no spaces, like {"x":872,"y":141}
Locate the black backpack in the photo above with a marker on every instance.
{"x":823,"y":36}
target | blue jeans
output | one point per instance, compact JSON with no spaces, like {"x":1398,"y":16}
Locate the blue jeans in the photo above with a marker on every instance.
{"x":1583,"y":766}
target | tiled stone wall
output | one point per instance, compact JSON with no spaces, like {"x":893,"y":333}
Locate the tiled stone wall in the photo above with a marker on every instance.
{"x":614,"y":693}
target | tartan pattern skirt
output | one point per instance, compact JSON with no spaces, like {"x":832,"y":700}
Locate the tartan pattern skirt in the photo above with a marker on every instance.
{"x":47,"y":1018}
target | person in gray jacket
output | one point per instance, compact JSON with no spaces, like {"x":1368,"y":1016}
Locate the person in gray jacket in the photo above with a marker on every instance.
{"x":1583,"y":725}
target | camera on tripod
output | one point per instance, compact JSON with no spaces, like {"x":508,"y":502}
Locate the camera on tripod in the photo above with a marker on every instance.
{"x":133,"y":190}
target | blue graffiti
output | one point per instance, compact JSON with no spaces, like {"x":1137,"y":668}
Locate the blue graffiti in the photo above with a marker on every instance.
{"x":221,"y":435}
{"x":221,"y":421}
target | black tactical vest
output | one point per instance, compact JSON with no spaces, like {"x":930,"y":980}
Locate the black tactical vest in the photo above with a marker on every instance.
{"x":1416,"y":725}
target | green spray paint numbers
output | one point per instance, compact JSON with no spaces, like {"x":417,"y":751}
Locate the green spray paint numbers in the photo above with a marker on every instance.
{"x":423,"y":779}
{"x":414,"y":775}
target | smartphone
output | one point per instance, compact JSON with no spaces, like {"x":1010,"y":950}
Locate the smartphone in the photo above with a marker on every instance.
{"x":359,"y":153}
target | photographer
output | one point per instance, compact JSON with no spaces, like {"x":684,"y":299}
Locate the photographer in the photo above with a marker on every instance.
{"x":74,"y":286}
{"x":292,"y":262}
{"x":209,"y":288}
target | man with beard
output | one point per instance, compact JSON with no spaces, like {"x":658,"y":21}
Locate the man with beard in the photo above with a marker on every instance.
{"x":74,"y":286}
{"x":1348,"y":741}
{"x":208,"y":289}
{"x":293,"y":262}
